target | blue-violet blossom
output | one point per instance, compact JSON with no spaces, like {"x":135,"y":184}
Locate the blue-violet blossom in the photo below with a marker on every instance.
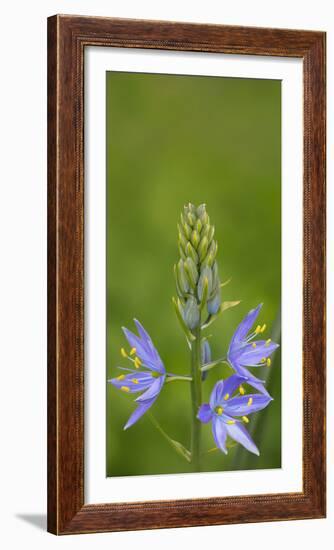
{"x":142,"y":354}
{"x":223,"y":410}
{"x":244,"y":352}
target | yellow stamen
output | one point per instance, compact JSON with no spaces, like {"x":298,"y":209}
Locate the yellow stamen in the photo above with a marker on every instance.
{"x":253,"y":345}
{"x":263,"y":360}
{"x":231,"y":421}
{"x":268,"y":362}
{"x":241,"y":390}
{"x":268,"y":341}
{"x":134,"y":380}
{"x":226,"y":397}
{"x":245,"y":419}
{"x":219,"y":410}
{"x":123,"y":352}
{"x":137,"y":362}
{"x":121,"y":377}
{"x":263,"y":328}
{"x":258,"y":329}
{"x":125,"y":388}
{"x":250,"y":401}
{"x":133,"y":351}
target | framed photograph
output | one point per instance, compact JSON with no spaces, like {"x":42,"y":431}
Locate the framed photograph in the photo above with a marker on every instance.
{"x":186,"y":274}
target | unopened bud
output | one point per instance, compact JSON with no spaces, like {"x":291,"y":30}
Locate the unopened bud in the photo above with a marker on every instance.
{"x":202,"y":248}
{"x":206,"y":274}
{"x":191,"y":252}
{"x":191,"y":270}
{"x":191,"y":313}
{"x":195,"y":238}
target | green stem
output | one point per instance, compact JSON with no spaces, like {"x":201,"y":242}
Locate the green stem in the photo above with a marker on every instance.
{"x":213,"y":364}
{"x":184,"y":378}
{"x":196,"y":391}
{"x":177,"y":446}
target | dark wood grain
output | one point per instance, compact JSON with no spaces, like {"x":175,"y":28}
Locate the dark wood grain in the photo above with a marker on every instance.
{"x":67,"y":38}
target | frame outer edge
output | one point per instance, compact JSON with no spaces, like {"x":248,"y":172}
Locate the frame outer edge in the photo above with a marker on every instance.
{"x":52,"y":168}
{"x":66,"y":510}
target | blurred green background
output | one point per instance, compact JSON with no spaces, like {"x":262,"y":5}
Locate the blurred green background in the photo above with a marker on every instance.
{"x":170,"y":140}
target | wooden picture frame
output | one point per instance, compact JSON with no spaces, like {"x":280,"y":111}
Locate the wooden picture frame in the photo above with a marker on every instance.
{"x":67,"y":38}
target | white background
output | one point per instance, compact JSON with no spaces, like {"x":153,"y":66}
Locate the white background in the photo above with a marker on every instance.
{"x":23,"y":271}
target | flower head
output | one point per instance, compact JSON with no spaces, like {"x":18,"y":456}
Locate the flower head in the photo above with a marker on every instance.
{"x":143,"y":355}
{"x":228,"y":414}
{"x":244,"y":351}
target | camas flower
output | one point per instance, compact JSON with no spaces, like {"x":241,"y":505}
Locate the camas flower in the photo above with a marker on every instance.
{"x":224,"y":408}
{"x":149,"y":381}
{"x":245,"y":352}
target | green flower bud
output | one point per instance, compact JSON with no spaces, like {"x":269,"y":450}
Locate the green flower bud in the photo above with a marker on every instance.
{"x":201,"y":209}
{"x":204,"y":218}
{"x":214,"y":303}
{"x":191,"y":252}
{"x":191,"y":313}
{"x":198,"y":226}
{"x":211,"y":233}
{"x":203,"y":247}
{"x":206,"y":273}
{"x":195,"y":238}
{"x":191,"y":270}
{"x":182,"y":253}
{"x":182,"y":240}
{"x":182,"y":277}
{"x":205,"y":231}
{"x":191,"y":219}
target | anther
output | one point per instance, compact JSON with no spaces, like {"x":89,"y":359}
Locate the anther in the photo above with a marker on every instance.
{"x":226,"y":397}
{"x":125,"y":388}
{"x":245,"y":419}
{"x":253,"y":345}
{"x":133,"y":351}
{"x":241,"y":390}
{"x":134,"y":380}
{"x":268,"y":341}
{"x":250,"y":401}
{"x":231,"y":421}
{"x":137,"y":362}
{"x":263,"y":328}
{"x":123,"y":352}
{"x":268,"y":362}
{"x":121,"y":377}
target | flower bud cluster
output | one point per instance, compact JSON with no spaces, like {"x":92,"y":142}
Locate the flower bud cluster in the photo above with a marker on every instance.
{"x":196,"y":273}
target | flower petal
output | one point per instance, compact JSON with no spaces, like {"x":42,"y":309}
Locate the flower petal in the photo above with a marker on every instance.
{"x":219,"y":430}
{"x":253,"y":381}
{"x":153,"y":390}
{"x":147,"y":356}
{"x":204,"y":413}
{"x":217,"y":394}
{"x":232,"y":383}
{"x":250,"y":356}
{"x":138,"y":413}
{"x":258,"y":385}
{"x":245,"y":326}
{"x":239,"y":433}
{"x":145,"y":337}
{"x":134,"y":382}
{"x":246,"y":404}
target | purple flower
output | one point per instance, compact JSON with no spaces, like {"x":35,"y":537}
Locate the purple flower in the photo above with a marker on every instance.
{"x":244,"y":352}
{"x":223,"y":410}
{"x":150,"y":382}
